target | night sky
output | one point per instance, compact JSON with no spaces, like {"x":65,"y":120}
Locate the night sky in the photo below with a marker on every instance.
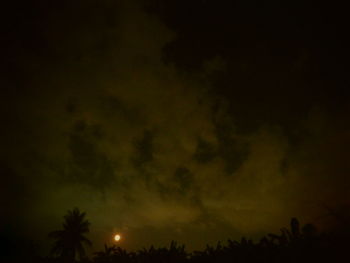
{"x":194,"y":121}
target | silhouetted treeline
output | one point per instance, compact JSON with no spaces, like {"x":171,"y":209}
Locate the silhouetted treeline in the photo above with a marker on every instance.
{"x":293,"y":244}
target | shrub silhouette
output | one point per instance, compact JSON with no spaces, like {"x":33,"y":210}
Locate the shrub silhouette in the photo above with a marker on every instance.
{"x":113,"y":254}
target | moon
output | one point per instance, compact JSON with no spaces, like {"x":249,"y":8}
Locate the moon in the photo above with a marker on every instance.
{"x":117,"y":237}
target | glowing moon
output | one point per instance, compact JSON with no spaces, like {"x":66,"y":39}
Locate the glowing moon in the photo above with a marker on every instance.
{"x":117,"y":237}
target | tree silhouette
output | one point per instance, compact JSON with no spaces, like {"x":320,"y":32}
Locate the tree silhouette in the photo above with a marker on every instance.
{"x":69,"y":241}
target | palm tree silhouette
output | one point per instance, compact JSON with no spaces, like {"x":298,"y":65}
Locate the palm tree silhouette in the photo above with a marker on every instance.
{"x":69,"y":241}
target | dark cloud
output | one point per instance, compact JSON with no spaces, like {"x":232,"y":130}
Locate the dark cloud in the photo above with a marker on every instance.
{"x":205,"y":152}
{"x":143,"y":149}
{"x":90,"y":166}
{"x":280,"y":59}
{"x":183,"y":178}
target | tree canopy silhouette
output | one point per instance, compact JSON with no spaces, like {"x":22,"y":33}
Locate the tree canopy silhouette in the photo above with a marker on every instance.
{"x":71,"y":240}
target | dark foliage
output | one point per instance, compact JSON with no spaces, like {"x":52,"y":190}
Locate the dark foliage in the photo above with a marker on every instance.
{"x":297,"y":244}
{"x":294,"y":244}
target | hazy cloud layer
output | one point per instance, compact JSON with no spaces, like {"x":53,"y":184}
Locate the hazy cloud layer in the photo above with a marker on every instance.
{"x":98,"y":121}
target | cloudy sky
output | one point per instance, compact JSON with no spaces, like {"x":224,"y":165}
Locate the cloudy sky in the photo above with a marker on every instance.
{"x":169,"y":120}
